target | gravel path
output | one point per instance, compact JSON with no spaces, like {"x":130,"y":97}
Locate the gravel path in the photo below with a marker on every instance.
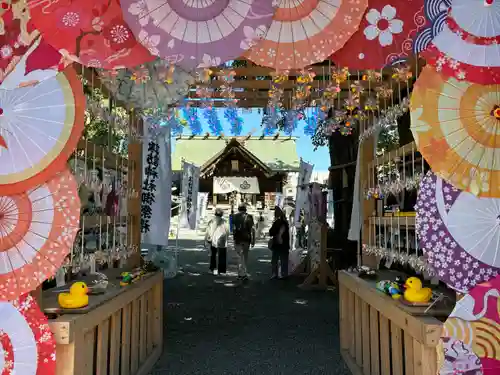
{"x":214,"y":325}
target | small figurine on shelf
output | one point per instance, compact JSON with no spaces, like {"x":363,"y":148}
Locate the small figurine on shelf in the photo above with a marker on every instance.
{"x":390,"y":288}
{"x":415,"y":292}
{"x":76,"y":298}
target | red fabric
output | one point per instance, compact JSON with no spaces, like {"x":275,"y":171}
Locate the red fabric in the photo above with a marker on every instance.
{"x":459,"y":70}
{"x":361,"y":53}
{"x":90,"y":32}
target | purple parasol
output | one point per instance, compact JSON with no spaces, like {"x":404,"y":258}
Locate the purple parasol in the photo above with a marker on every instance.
{"x":198,"y":33}
{"x":458,"y":232}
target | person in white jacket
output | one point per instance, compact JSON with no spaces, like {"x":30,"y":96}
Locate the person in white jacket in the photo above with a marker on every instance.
{"x":216,"y":237}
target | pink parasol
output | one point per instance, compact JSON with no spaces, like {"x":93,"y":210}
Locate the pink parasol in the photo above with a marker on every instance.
{"x":198,"y":33}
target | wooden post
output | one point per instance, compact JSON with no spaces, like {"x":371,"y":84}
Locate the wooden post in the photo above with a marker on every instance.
{"x":135,"y":185}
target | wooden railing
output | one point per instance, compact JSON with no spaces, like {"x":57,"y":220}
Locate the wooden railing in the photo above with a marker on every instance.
{"x":379,"y":338}
{"x":124,"y":336}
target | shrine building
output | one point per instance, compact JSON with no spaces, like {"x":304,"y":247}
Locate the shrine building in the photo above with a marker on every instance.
{"x":255,"y":166}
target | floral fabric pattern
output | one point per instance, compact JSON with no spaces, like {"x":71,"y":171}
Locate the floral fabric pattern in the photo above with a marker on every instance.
{"x":201,"y":28}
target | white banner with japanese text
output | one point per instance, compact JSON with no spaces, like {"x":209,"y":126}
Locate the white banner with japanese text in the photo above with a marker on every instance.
{"x":189,"y":195}
{"x":202,"y":207}
{"x":301,"y":199}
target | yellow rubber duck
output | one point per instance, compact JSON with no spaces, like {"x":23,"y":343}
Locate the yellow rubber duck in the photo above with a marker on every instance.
{"x":76,"y":298}
{"x":414,"y":291}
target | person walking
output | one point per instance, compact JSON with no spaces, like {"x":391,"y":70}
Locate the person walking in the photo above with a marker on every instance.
{"x":279,"y":244}
{"x":216,"y":237}
{"x":244,"y":238}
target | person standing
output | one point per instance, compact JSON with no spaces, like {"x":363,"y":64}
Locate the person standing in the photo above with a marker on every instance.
{"x":244,"y":238}
{"x":216,"y":237}
{"x":280,"y":244}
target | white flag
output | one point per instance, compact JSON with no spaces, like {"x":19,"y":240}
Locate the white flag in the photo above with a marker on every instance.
{"x":157,"y":191}
{"x":301,"y":199}
{"x":189,"y":197}
{"x":202,"y":207}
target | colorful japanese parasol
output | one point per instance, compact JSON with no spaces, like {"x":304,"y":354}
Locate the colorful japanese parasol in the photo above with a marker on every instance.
{"x":40,"y":127}
{"x":92,"y":33}
{"x":385,"y":35}
{"x":198,"y":33}
{"x":37,"y":230}
{"x":305,"y":32}
{"x":459,"y":233}
{"x":436,"y":12}
{"x":21,"y":44}
{"x":471,"y":334}
{"x":27,"y":345}
{"x":467,"y":46}
{"x":152,"y":85}
{"x":455,"y":124}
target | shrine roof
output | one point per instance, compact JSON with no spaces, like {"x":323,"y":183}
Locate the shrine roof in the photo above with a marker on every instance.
{"x":279,"y":154}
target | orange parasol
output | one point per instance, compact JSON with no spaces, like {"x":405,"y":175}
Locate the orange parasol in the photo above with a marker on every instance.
{"x":37,"y":230}
{"x":304,"y":32}
{"x":40,"y":127}
{"x":456,"y":126}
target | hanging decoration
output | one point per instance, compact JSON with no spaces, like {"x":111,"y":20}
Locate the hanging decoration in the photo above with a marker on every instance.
{"x":213,"y":121}
{"x":28,"y":345}
{"x":312,"y":119}
{"x":40,"y":127}
{"x":302,"y":91}
{"x":149,"y":185}
{"x":291,"y":121}
{"x":467,"y":46}
{"x":471,"y":335}
{"x":92,"y":33}
{"x":169,"y":118}
{"x":236,"y":121}
{"x":191,"y":116}
{"x":37,"y":230}
{"x":458,"y":233}
{"x":436,"y":12}
{"x":307,"y":32}
{"x":203,"y":91}
{"x":226,"y":89}
{"x":152,"y":85}
{"x":385,"y":35}
{"x":386,"y":188}
{"x":453,"y":123}
{"x":202,"y":36}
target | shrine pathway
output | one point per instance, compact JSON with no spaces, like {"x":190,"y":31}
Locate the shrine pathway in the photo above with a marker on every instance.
{"x":213,"y":325}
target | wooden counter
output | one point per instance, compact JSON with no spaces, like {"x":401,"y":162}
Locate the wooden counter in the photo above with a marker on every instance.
{"x":121,"y":334}
{"x":378,"y":337}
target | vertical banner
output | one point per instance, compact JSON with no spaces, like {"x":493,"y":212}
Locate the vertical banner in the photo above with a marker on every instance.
{"x":301,"y":199}
{"x":202,"y":207}
{"x":330,"y":214}
{"x":189,"y":197}
{"x":156,"y":187}
{"x":355,"y":225}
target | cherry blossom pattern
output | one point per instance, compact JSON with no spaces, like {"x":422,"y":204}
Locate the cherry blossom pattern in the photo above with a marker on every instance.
{"x":26,"y":340}
{"x":37,"y":230}
{"x":206,"y":33}
{"x":451,"y":263}
{"x":92,"y":33}
{"x":385,"y":35}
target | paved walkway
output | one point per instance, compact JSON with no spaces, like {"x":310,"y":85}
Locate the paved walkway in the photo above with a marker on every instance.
{"x":214,"y":325}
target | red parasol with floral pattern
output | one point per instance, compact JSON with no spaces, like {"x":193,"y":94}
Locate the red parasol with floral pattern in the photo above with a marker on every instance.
{"x":92,"y":33}
{"x":25,"y":57}
{"x":385,"y":35}
{"x":27,"y":345}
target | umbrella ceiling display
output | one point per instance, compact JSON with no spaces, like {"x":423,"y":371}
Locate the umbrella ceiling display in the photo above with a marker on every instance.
{"x":92,"y":33}
{"x":21,"y":44}
{"x":27,"y":345}
{"x":40,"y":127}
{"x":37,"y":230}
{"x":304,"y":32}
{"x":471,"y":334}
{"x":198,"y":33}
{"x":385,"y":35}
{"x":151,"y":85}
{"x":436,"y":12}
{"x":459,"y":233}
{"x":455,"y":124}
{"x":467,"y":46}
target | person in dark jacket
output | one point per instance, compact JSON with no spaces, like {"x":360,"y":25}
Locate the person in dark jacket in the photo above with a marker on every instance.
{"x":280,"y":244}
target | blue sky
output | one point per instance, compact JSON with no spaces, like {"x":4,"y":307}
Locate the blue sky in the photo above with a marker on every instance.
{"x":251,"y":122}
